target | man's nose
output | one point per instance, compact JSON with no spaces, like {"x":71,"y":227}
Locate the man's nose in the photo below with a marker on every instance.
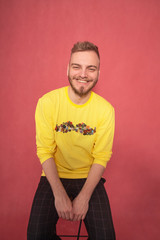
{"x":83,"y":73}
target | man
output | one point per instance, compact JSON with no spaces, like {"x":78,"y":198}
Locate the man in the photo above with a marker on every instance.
{"x":74,"y":136}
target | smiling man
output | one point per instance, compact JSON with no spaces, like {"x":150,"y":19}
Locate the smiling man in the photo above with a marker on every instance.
{"x":74,"y":137}
{"x":83,"y":77}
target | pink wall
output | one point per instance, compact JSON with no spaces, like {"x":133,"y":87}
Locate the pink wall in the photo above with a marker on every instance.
{"x":36,"y":38}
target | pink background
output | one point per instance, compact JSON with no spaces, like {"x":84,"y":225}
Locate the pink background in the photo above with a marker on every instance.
{"x":35,"y":42}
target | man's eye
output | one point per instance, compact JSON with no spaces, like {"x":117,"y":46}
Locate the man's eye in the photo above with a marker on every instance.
{"x":75,"y":67}
{"x":92,"y":69}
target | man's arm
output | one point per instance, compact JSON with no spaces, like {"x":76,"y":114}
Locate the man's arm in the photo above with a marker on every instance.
{"x":81,"y":202}
{"x":101,"y":154}
{"x":46,"y":146}
{"x":62,"y":202}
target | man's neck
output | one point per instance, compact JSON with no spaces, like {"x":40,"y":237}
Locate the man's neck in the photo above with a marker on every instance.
{"x":75,"y":98}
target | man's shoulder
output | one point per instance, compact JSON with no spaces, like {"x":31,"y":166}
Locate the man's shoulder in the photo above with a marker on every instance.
{"x":53,"y":94}
{"x":102,"y":102}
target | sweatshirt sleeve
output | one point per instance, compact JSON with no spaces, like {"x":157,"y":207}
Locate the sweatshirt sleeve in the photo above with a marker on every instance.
{"x":44,"y":130}
{"x":102,"y":150}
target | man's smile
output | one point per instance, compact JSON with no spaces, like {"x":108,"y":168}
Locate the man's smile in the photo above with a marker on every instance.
{"x":82,"y":80}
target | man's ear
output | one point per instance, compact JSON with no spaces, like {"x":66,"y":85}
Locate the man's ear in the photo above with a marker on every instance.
{"x":67,"y":69}
{"x":98,"y":73}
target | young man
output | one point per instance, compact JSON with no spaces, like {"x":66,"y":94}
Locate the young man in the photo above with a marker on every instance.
{"x":74,"y":136}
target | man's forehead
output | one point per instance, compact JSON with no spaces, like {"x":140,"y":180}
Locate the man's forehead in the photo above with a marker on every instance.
{"x":85,"y":57}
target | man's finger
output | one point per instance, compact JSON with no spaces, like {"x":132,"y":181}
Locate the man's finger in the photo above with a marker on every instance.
{"x":79,"y":217}
{"x":63,"y":215}
{"x":75,"y":217}
{"x":67,"y":216}
{"x":71,"y":216}
{"x":59,"y":214}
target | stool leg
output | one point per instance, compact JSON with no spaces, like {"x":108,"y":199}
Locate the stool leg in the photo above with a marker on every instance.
{"x":79,"y":229}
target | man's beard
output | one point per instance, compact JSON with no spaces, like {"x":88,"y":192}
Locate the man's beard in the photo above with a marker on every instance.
{"x":81,"y":92}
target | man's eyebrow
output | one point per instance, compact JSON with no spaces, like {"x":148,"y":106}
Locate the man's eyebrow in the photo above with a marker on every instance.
{"x":75,"y":64}
{"x":89,"y":66}
{"x":92,"y":66}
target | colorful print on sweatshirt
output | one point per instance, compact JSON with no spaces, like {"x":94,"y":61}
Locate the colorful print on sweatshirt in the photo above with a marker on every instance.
{"x":80,"y":127}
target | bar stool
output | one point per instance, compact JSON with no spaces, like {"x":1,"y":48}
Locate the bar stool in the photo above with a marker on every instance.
{"x":76,"y":236}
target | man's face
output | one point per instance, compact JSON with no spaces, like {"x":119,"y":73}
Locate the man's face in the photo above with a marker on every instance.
{"x":83,"y":72}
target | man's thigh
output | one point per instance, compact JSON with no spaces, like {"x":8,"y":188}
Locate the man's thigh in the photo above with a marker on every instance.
{"x":98,"y":220}
{"x":43,"y":217}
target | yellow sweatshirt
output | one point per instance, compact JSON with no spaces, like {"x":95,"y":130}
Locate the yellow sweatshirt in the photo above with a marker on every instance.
{"x":76,"y":136}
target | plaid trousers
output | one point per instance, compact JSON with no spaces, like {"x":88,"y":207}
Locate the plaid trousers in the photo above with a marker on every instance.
{"x":43,"y":216}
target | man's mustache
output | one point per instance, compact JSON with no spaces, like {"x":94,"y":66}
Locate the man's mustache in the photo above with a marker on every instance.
{"x":82,"y":78}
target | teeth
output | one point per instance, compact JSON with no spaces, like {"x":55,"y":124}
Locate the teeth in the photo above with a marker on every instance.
{"x":82,"y":81}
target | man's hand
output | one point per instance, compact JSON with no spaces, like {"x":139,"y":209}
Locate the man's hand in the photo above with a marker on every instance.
{"x":80,"y":207}
{"x":81,"y":202}
{"x":66,"y":209}
{"x":63,"y":206}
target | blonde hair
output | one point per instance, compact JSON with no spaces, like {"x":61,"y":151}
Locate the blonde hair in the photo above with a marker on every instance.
{"x":85,"y":46}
